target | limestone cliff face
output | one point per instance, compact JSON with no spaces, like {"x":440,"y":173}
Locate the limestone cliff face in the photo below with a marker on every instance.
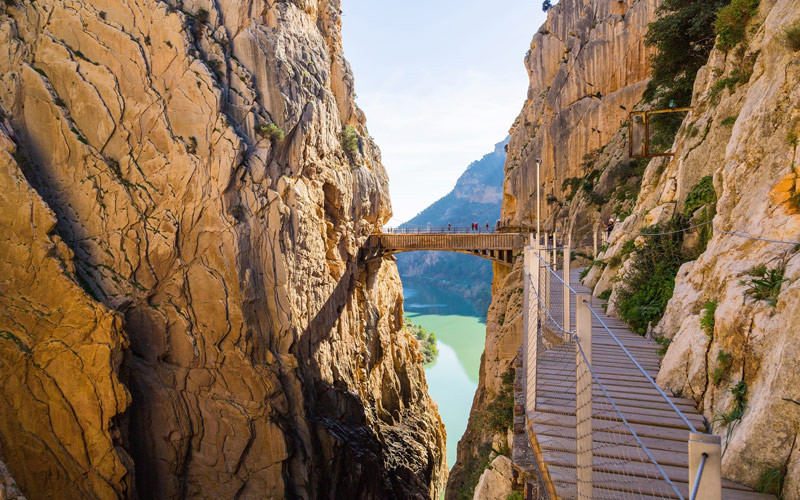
{"x":218,"y":259}
{"x":744,"y":142}
{"x":588,"y":67}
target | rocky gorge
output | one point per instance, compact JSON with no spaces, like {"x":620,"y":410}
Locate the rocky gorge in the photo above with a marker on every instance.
{"x":187,"y":187}
{"x":725,"y":305}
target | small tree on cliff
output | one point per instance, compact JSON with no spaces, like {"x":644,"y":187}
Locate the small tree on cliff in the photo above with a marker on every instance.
{"x":547,"y":5}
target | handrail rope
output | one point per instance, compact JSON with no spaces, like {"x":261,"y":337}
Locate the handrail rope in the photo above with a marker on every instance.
{"x":649,"y":378}
{"x":699,"y":476}
{"x":625,"y":420}
{"x":552,"y":271}
{"x":755,"y":237}
{"x":668,"y":232}
{"x":714,"y":228}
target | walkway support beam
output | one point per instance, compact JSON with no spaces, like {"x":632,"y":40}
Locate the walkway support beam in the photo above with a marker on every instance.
{"x":583,"y":396}
{"x":705,"y":457}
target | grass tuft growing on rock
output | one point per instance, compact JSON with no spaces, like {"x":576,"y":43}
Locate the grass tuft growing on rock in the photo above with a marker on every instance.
{"x":731,"y":418}
{"x":770,"y":482}
{"x":791,"y":37}
{"x":702,"y":194}
{"x":707,"y":319}
{"x":764,"y":284}
{"x":732,"y":21}
{"x":725,"y":361}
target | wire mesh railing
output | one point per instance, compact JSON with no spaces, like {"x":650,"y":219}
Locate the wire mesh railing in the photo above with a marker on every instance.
{"x":602,"y":424}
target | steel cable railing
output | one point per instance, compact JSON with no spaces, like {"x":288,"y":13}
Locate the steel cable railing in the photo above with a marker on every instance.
{"x":642,"y":370}
{"x":570,"y":398}
{"x":613,"y":454}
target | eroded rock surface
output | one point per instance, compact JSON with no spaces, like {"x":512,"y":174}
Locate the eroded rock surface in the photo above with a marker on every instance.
{"x":264,"y":359}
{"x":746,"y":112}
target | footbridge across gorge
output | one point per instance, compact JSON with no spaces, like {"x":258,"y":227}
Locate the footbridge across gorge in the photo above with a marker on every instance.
{"x":494,"y":246}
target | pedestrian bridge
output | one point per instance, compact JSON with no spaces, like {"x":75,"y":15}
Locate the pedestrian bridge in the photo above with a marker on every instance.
{"x":497,"y":247}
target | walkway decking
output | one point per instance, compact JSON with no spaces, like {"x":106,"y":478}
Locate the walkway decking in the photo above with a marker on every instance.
{"x":620,"y":467}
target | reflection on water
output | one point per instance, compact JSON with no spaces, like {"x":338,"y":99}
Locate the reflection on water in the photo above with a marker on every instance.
{"x":460,"y":331}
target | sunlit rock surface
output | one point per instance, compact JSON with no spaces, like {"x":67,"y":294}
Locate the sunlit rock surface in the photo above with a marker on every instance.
{"x":153,"y":220}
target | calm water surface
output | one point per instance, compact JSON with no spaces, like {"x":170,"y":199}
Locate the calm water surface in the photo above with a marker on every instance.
{"x":460,"y":331}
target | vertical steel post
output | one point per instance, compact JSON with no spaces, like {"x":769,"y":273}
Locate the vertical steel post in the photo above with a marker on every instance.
{"x":710,"y":487}
{"x":583,"y":396}
{"x":594,"y":240}
{"x":535,"y":269}
{"x":566,"y":267}
{"x":527,"y":323}
{"x":545,"y":280}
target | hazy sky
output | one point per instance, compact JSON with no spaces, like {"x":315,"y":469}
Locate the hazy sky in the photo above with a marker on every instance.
{"x":441,"y":81}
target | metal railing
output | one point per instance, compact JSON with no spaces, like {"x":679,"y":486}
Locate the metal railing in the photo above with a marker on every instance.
{"x":610,"y":455}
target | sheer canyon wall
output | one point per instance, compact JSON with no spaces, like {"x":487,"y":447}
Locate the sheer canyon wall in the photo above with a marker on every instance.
{"x":186,"y":189}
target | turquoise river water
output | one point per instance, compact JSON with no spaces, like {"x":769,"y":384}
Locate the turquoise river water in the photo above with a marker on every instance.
{"x":460,"y":331}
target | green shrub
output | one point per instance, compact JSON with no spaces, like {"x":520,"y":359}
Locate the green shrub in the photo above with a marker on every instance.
{"x":795,"y":200}
{"x":427,"y":341}
{"x":764,"y":284}
{"x":736,"y":77}
{"x":349,"y":140}
{"x":515,"y":495}
{"x":648,"y":284}
{"x":729,"y":121}
{"x":605,"y":295}
{"x":628,"y":248}
{"x":707,"y":319}
{"x":271,"y":132}
{"x":571,"y":183}
{"x":474,"y":465}
{"x":683,"y":35}
{"x":664,"y":342}
{"x":770,"y":482}
{"x":731,"y":418}
{"x":551,"y":198}
{"x":791,"y":139}
{"x":596,"y":198}
{"x":725,"y":361}
{"x":732,"y":21}
{"x":791,"y":37}
{"x":588,"y":268}
{"x":701,"y":194}
{"x":499,"y":413}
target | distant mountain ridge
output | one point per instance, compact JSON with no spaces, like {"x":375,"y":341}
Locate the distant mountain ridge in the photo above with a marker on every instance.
{"x":476,"y":197}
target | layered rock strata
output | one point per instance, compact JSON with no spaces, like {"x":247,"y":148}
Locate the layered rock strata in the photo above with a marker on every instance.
{"x":188,"y":194}
{"x":588,"y":67}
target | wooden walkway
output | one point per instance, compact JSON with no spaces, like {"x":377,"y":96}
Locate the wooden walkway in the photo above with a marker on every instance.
{"x":621,"y":469}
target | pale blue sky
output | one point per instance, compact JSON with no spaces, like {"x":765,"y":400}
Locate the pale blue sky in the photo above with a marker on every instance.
{"x":440,"y":81}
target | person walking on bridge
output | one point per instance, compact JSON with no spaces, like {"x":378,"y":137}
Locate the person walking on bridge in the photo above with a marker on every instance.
{"x":487,"y":226}
{"x":448,"y":226}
